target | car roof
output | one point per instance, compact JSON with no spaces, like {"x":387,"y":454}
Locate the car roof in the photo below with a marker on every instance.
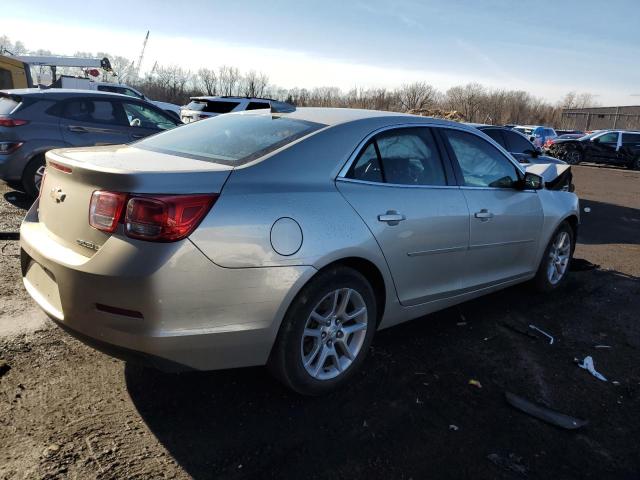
{"x":230,"y":98}
{"x":335,"y":116}
{"x":60,"y":93}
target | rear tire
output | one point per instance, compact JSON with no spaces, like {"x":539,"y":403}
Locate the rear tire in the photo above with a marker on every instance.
{"x":32,"y":176}
{"x":556,"y":261}
{"x":326,"y":333}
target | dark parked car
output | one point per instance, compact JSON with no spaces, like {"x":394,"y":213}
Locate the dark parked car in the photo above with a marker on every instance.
{"x":570,"y":132}
{"x":527,"y":153}
{"x":615,"y":147}
{"x":33,"y":121}
{"x":517,"y":144}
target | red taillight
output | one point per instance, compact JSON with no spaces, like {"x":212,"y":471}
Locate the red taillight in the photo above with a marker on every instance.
{"x":165,"y":218}
{"x":159,"y":218}
{"x":62,"y":168}
{"x":12,"y":122}
{"x":105,"y":210}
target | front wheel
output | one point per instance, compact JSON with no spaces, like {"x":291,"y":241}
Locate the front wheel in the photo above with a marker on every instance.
{"x":554,"y":266}
{"x":635,"y":163}
{"x":326,"y":333}
{"x":573,"y":157}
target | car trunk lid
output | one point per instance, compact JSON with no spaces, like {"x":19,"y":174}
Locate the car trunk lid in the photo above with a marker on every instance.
{"x":73,"y":175}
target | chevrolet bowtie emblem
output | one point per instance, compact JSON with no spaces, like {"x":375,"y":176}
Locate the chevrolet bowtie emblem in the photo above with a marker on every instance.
{"x":58,"y":195}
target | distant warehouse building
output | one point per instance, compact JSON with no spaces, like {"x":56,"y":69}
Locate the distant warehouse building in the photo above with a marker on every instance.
{"x":600,"y":118}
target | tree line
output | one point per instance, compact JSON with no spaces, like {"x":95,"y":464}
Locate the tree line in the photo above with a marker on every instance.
{"x":472,"y":102}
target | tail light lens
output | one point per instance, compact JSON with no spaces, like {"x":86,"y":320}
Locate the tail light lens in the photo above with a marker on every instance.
{"x":105,"y":210}
{"x":12,"y":122}
{"x":166,"y":218}
{"x":159,"y":218}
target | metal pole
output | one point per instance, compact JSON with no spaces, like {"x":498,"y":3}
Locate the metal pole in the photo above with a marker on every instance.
{"x":615,"y":119}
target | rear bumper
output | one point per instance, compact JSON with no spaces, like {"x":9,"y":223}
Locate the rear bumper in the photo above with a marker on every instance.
{"x":193,"y":314}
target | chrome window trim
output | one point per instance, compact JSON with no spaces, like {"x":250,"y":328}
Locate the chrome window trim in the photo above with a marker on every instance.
{"x":342,"y":175}
{"x":395,"y":185}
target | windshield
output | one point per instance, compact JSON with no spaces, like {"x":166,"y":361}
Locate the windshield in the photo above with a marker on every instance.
{"x":230,"y":139}
{"x":590,"y":136}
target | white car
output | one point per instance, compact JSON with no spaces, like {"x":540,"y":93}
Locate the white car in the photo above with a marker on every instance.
{"x":205,"y":107}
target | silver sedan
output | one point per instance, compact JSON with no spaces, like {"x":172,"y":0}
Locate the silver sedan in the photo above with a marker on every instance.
{"x":285,"y":239}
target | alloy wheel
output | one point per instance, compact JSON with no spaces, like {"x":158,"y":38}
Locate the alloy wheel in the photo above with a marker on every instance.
{"x":559,"y":255}
{"x":572,"y":157}
{"x":37,"y":177}
{"x":334,"y":334}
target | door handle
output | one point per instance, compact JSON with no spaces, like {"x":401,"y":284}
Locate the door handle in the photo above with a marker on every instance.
{"x":77,"y":129}
{"x":392,"y":217}
{"x":483,"y":215}
{"x":137,"y":135}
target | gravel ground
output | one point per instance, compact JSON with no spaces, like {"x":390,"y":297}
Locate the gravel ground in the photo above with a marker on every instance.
{"x":67,"y":411}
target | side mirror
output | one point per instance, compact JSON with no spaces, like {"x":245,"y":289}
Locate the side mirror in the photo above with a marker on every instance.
{"x":596,"y":140}
{"x":532,"y":181}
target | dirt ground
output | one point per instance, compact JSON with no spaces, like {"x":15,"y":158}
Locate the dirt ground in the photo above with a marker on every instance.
{"x":67,"y":411}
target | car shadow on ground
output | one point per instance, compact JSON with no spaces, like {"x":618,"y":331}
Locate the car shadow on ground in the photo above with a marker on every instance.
{"x":608,"y":223}
{"x":411,"y":411}
{"x":18,"y":199}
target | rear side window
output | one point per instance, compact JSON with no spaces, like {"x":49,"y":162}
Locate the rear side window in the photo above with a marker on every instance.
{"x":230,"y":139}
{"x":630,"y":138}
{"x":95,"y":111}
{"x":496,"y":135}
{"x":258,"y":106}
{"x":6,"y":81}
{"x":516,"y":143}
{"x":611,"y":137}
{"x":482,"y":164}
{"x":8,"y":104}
{"x":212,"y":106}
{"x":406,"y":156}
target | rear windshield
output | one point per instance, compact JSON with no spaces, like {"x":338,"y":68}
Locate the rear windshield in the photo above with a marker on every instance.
{"x":8,"y":104}
{"x":230,"y":139}
{"x":211,"y":106}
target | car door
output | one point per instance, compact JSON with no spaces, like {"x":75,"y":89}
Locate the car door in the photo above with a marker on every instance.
{"x":89,"y":121}
{"x":630,"y":149}
{"x":406,"y":194}
{"x":144,"y":119}
{"x":505,"y":221}
{"x":604,"y":148}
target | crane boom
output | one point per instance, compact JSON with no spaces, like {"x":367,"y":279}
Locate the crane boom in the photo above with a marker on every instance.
{"x":144,"y":45}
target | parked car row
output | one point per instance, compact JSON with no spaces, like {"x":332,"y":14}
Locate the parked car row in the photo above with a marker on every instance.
{"x":615,"y":147}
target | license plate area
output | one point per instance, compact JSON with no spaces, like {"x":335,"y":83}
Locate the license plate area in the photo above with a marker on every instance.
{"x":42,"y":286}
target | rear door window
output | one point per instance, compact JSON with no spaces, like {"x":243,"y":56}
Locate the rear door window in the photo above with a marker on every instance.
{"x":405,"y":156}
{"x":630,"y":138}
{"x":230,"y":139}
{"x":95,"y":111}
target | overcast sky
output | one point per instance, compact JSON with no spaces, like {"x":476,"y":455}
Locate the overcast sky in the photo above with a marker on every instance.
{"x":545,"y":47}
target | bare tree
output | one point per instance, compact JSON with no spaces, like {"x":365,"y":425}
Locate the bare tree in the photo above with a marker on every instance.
{"x":467,"y":100}
{"x":254,"y":84}
{"x":578,"y":100}
{"x":228,"y":78}
{"x":417,"y":95}
{"x":208,"y":80}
